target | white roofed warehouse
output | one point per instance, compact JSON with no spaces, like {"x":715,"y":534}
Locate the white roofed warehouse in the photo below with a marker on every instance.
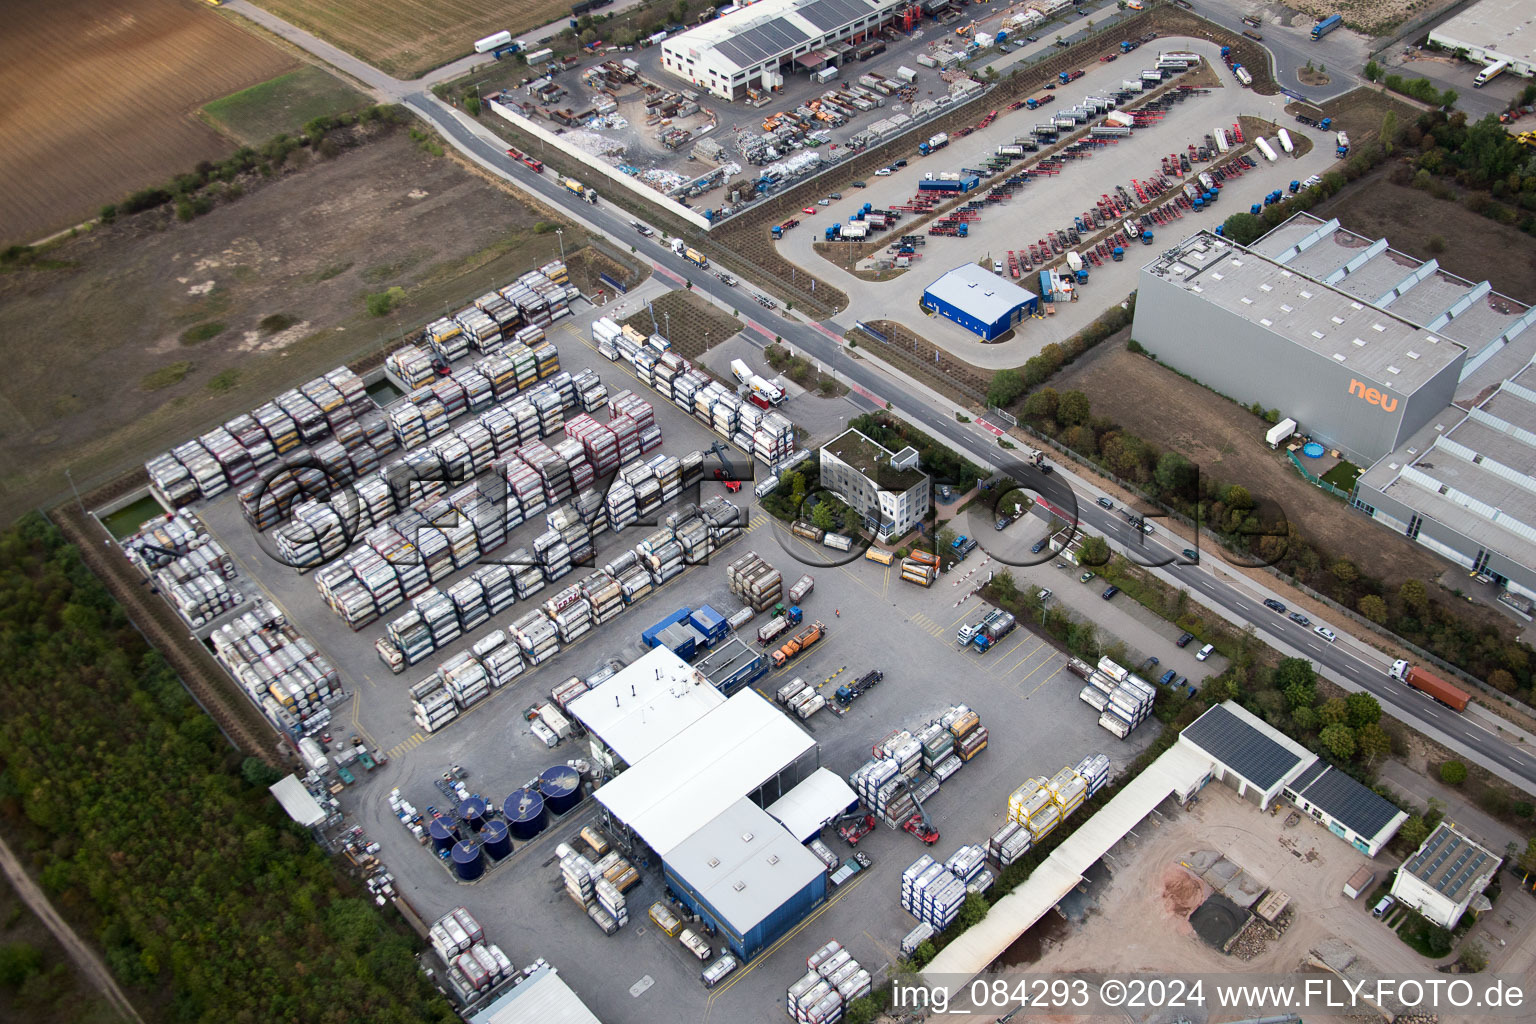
{"x":1492,"y":31}
{"x":751,"y":47}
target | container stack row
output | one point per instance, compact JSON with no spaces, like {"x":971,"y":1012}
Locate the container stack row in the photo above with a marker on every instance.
{"x":832,"y":980}
{"x":278,"y":667}
{"x":767,"y":434}
{"x":190,"y":569}
{"x":931,"y":892}
{"x":335,"y":406}
{"x":1123,"y":699}
{"x":907,"y":768}
{"x":590,"y":888}
{"x":474,"y":965}
{"x":1042,"y":803}
{"x":758,"y":584}
{"x":436,"y":619}
{"x":1008,"y":844}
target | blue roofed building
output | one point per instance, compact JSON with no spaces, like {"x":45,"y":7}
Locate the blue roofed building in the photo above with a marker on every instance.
{"x":982,"y":302}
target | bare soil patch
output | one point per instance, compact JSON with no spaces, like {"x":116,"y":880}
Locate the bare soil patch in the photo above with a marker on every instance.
{"x":286,"y":269}
{"x":1227,"y":442}
{"x":1419,"y":224}
{"x":100,"y":96}
{"x":1182,"y":892}
{"x":696,"y":325}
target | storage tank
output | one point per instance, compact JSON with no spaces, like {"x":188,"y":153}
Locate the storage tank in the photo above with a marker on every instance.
{"x":472,"y":811}
{"x":468,"y":861}
{"x":561,"y":788}
{"x":443,"y":834}
{"x":1265,"y":148}
{"x":525,"y":814}
{"x":497,"y":839}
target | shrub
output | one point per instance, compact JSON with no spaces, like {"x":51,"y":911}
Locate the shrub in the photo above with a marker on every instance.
{"x":545,"y":227}
{"x":1453,"y":773}
{"x":109,"y":213}
{"x":224,"y":380}
{"x":275,"y":322}
{"x":202,"y":332}
{"x":384,"y":303}
{"x":165,"y":376}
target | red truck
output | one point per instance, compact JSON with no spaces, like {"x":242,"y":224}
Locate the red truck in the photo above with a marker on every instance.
{"x":1452,"y":697}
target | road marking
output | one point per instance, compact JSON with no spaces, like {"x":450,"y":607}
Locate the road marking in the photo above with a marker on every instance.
{"x":1042,"y":682}
{"x":1014,"y":667}
{"x":963,"y":616}
{"x":408,"y":745}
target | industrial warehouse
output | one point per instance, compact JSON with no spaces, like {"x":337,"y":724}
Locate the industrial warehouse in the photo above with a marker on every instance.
{"x":1492,"y":32}
{"x":1420,"y":376}
{"x":985,"y":304}
{"x":747,"y":48}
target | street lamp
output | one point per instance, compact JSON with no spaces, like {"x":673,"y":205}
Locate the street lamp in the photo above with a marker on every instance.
{"x":560,"y":236}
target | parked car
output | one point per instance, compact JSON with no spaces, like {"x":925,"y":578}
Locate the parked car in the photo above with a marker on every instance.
{"x":860,"y":184}
{"x":1385,"y":904}
{"x":835,"y":195}
{"x":899,"y":163}
{"x":1045,"y":594}
{"x":1037,"y":547}
{"x":1002,"y":524}
{"x":1184,"y":639}
{"x":823,"y":202}
{"x":1031,"y":39}
{"x":1106,"y":503}
{"x":1085,"y":577}
{"x":808,"y":209}
{"x":1205,"y":652}
{"x":1325,"y":633}
{"x":1110,"y":592}
{"x":883,"y":172}
{"x":1300,"y":619}
{"x":1274,"y":606}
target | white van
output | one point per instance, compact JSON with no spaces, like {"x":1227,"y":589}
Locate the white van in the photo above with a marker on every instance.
{"x":1205,"y":652}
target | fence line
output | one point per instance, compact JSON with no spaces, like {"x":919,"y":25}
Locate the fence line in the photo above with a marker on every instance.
{"x":1316,"y":480}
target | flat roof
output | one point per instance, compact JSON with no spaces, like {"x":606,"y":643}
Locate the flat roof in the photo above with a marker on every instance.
{"x":1177,"y":771}
{"x":543,"y":998}
{"x":744,"y":864}
{"x":1502,"y":26}
{"x":1232,"y":736}
{"x":1451,"y":864}
{"x":770,"y":29}
{"x":804,"y":810}
{"x":703,"y":769}
{"x":873,"y":460}
{"x":300,"y":804}
{"x":1320,"y":318}
{"x":980,"y":293}
{"x":643,"y":705}
{"x":1349,"y":802}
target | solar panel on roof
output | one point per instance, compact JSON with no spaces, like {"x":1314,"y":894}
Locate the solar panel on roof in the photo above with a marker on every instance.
{"x":1241,"y":747}
{"x":830,"y":14}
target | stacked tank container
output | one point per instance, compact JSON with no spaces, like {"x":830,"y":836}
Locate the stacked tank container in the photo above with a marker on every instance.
{"x":833,"y":979}
{"x":432,"y":706}
{"x":1008,"y":844}
{"x":536,"y":636}
{"x":1094,"y":770}
{"x":757,"y":583}
{"x":279,"y":668}
{"x":603,"y":595}
{"x":930,"y":892}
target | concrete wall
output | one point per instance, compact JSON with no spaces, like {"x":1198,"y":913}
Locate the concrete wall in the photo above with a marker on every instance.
{"x":607,"y":171}
{"x":1247,"y":362}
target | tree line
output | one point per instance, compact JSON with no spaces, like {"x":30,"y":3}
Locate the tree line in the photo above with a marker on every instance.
{"x":149,"y":830}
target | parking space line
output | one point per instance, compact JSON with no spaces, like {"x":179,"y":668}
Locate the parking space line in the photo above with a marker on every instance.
{"x":962,"y":618}
{"x":1026,"y":657}
{"x":1042,"y":682}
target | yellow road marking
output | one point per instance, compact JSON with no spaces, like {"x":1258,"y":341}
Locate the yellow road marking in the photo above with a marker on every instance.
{"x":1042,"y":682}
{"x":1026,"y":657}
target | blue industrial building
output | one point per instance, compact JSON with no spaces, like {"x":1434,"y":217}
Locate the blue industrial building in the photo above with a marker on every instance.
{"x":748,"y":877}
{"x":981,"y":302}
{"x":732,"y":665}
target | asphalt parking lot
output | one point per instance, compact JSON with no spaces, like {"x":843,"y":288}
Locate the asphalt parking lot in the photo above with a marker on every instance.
{"x":1025,"y":698}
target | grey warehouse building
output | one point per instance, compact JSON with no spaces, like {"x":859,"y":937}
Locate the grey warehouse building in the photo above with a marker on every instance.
{"x":1452,"y":464}
{"x":1354,"y":376}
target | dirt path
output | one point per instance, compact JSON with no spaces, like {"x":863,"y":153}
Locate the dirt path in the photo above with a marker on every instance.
{"x":84,"y":956}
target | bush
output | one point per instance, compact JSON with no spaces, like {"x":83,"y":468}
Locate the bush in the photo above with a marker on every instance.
{"x":384,"y":303}
{"x":545,"y":227}
{"x":165,"y":376}
{"x":224,"y":380}
{"x":275,"y":322}
{"x":109,"y":213}
{"x":1453,"y":773}
{"x":202,"y":332}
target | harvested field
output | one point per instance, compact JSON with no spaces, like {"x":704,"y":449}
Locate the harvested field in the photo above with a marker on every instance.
{"x":1227,"y":442}
{"x":286,"y":269}
{"x":283,"y":104}
{"x":695,"y":325}
{"x":1417,"y":223}
{"x":101,"y":98}
{"x":1373,"y":17}
{"x":410,"y":38}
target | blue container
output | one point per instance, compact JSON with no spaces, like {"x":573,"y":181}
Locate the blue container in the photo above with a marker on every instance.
{"x":561,"y":788}
{"x":497,"y":840}
{"x":525,"y":814}
{"x":443,"y":834}
{"x":708,"y":622}
{"x":652,"y":636}
{"x":468,"y":861}
{"x":473,"y":812}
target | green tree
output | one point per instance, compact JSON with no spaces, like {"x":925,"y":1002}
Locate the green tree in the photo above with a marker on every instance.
{"x":1175,"y":474}
{"x":1334,"y":712}
{"x":824,"y":516}
{"x":1041,"y":405}
{"x":1373,"y":742}
{"x":1243,"y":228}
{"x":1528,"y":858}
{"x":1073,"y":408}
{"x":680,"y":11}
{"x":946,"y":539}
{"x":1414,"y":831}
{"x":1306,"y":718}
{"x":1373,"y":73}
{"x":1297,"y":679}
{"x":853,"y":523}
{"x":19,"y":962}
{"x":1453,"y":773}
{"x":972,"y":911}
{"x":1004,"y":587}
{"x":1005,"y":387}
{"x":1373,"y":608}
{"x":1363,"y":710}
{"x":1237,"y":496}
{"x":1414,"y":595}
{"x":1501,"y":680}
{"x":1344,"y":571}
{"x":1338,"y":740}
{"x":1093,"y":552}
